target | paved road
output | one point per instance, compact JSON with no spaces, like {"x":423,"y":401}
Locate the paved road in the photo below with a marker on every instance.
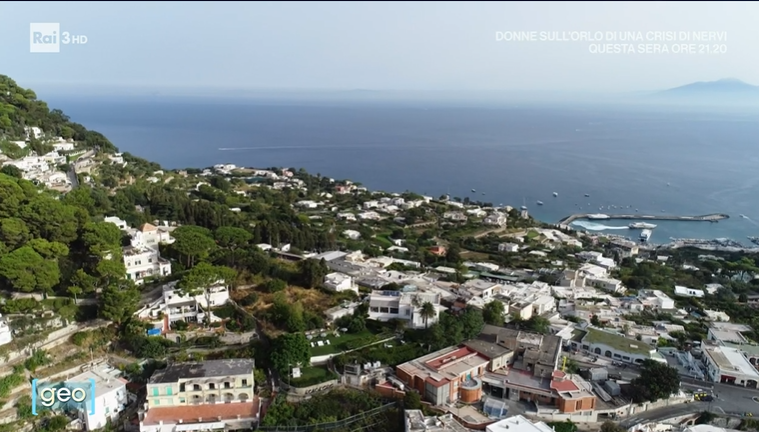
{"x":728,"y":399}
{"x":661,"y":414}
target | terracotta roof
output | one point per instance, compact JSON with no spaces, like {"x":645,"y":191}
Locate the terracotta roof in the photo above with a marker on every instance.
{"x":147,"y":227}
{"x":206,"y":412}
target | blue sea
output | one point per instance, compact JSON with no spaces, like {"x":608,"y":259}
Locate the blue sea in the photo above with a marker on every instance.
{"x":656,"y":160}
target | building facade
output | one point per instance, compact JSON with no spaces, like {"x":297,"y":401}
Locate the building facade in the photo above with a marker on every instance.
{"x":210,"y":395}
{"x":110,"y":397}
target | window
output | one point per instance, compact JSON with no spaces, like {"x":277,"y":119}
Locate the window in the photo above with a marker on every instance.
{"x":107,"y":410}
{"x":182,"y":400}
{"x":181,"y":388}
{"x":227,"y":385}
{"x":155,"y":391}
{"x":168,"y":391}
{"x":212,"y":386}
{"x":157,"y":402}
{"x":244,"y":382}
{"x":408,"y":312}
{"x":195,"y":387}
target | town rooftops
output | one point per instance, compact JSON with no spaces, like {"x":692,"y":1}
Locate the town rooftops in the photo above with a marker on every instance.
{"x":518,"y":424}
{"x":417,"y":422}
{"x":440,"y":367}
{"x":730,"y":359}
{"x":617,"y":342}
{"x":206,"y":369}
{"x":106,"y":379}
{"x":204,"y":413}
{"x":146,"y":227}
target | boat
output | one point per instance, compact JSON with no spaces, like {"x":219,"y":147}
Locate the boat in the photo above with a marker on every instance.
{"x":744,"y":216}
{"x":641,"y":225}
{"x":645,"y":235}
{"x":555,"y":194}
{"x":587,"y":195}
{"x":474,"y":190}
{"x":539,"y":203}
{"x":524,"y":207}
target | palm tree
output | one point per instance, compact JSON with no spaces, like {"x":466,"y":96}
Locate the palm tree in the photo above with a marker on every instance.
{"x":427,"y":311}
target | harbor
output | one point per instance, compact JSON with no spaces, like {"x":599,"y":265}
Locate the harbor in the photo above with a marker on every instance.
{"x":716,"y":217}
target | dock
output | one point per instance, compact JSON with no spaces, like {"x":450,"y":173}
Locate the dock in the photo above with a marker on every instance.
{"x":602,"y":217}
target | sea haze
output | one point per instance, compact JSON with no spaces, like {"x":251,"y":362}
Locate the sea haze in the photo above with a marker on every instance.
{"x":656,"y":159}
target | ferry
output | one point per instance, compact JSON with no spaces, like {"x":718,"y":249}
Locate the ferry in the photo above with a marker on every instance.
{"x":539,"y":203}
{"x":645,"y":235}
{"x":641,"y":225}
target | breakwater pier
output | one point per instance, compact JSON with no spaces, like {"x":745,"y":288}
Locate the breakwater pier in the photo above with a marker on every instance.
{"x":716,"y":217}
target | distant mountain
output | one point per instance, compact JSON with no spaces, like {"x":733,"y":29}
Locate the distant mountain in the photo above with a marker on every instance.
{"x":723,"y":90}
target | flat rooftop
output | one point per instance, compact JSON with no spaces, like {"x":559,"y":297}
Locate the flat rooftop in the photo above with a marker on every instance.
{"x":106,"y":379}
{"x":617,"y":342}
{"x":207,"y":413}
{"x":417,"y":422}
{"x":206,"y":369}
{"x":440,"y":366}
{"x":730,"y":359}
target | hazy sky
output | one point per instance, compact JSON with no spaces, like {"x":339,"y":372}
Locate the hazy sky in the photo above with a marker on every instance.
{"x":366,"y":45}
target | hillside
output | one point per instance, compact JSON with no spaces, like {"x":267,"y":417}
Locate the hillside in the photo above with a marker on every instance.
{"x":20,"y":108}
{"x":721,"y":90}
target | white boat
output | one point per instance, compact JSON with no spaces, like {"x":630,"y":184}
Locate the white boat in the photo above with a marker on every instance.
{"x":641,"y":225}
{"x":539,"y":203}
{"x":744,"y":216}
{"x":524,"y":207}
{"x":645,"y":235}
{"x":555,"y":194}
{"x":474,"y":190}
{"x":587,"y":195}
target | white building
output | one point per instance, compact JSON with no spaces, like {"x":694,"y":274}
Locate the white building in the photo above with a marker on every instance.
{"x":518,"y":423}
{"x":63,"y":145}
{"x":729,"y":365}
{"x":388,"y":305}
{"x":6,"y":335}
{"x":122,"y":224}
{"x":508,"y":247}
{"x":150,"y":236}
{"x":656,"y":299}
{"x":144,"y":262}
{"x":496,"y":219}
{"x":110,"y":397}
{"x":339,"y":282}
{"x":352,"y":234}
{"x":212,"y":395}
{"x":688,"y":292}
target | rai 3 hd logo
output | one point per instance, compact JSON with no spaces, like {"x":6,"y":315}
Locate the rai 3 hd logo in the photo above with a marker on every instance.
{"x":48,"y":38}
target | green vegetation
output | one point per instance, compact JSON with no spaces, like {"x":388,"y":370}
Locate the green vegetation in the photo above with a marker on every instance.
{"x":656,"y":381}
{"x":311,"y":376}
{"x":344,"y":342}
{"x":617,"y":342}
{"x":565,"y":426}
{"x":336,"y":406}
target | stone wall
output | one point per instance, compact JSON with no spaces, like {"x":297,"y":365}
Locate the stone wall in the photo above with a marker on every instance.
{"x":314,"y":389}
{"x":54,"y":339}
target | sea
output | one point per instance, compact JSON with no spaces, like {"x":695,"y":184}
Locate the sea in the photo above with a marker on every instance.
{"x":656,"y":160}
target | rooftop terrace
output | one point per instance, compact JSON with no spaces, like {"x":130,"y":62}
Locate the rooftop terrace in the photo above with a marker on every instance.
{"x":617,"y":342}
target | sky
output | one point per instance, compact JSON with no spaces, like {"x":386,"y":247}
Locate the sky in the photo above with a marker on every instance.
{"x":402,"y":46}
